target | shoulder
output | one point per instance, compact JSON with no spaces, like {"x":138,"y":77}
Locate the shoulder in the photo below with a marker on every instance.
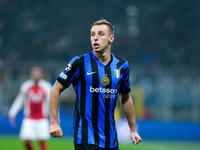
{"x":26,"y":84}
{"x":78,"y":59}
{"x":120,"y":61}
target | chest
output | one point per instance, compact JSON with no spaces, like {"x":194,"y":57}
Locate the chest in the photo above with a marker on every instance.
{"x":98,"y":75}
{"x":35,"y":94}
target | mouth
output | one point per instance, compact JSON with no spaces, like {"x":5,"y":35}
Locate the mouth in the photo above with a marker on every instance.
{"x":95,"y":45}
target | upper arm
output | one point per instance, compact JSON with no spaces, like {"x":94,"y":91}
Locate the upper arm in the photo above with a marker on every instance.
{"x":58,"y":87}
{"x":18,"y":102}
{"x":125,"y":83}
{"x":125,"y":97}
{"x":70,"y":74}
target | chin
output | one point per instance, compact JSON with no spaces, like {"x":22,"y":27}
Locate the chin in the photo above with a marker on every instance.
{"x":97,"y":50}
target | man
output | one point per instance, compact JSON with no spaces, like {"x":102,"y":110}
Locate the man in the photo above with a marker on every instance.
{"x":97,"y":77}
{"x":34,"y":96}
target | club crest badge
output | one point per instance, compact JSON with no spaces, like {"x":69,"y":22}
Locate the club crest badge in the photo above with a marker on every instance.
{"x":69,"y":67}
{"x":105,"y":80}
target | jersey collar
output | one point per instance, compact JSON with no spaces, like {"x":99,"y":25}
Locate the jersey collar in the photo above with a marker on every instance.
{"x":100,"y":63}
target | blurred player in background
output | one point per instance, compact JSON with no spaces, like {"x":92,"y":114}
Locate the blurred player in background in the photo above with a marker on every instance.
{"x":98,"y":77}
{"x":33,"y":96}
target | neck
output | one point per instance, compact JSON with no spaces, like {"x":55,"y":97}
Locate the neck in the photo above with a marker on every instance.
{"x":103,"y":57}
{"x":36,"y":82}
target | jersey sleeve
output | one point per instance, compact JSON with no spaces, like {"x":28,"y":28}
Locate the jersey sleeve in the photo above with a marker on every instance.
{"x":18,"y":102}
{"x":125,"y":84}
{"x":70,"y":74}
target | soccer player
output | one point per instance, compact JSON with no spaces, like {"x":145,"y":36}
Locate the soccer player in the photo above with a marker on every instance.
{"x":34,"y":97}
{"x":97,"y":77}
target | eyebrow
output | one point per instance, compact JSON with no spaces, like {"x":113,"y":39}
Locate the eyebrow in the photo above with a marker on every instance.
{"x":98,"y":31}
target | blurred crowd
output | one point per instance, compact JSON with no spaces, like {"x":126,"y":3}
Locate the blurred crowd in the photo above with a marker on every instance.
{"x":158,"y":38}
{"x":147,"y":32}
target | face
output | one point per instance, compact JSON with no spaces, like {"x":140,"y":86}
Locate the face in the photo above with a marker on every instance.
{"x":101,"y":38}
{"x":36,"y":74}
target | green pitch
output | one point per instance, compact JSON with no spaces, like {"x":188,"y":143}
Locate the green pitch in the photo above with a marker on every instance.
{"x":13,"y":143}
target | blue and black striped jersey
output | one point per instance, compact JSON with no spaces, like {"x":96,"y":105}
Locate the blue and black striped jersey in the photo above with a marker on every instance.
{"x":97,"y":87}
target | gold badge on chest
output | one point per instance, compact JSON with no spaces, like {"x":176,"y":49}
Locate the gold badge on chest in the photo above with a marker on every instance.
{"x":105,"y":80}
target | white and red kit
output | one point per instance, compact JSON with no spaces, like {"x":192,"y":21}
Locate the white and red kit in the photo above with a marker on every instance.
{"x":35,"y":100}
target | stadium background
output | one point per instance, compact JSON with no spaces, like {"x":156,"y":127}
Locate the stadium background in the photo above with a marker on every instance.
{"x":160,"y":39}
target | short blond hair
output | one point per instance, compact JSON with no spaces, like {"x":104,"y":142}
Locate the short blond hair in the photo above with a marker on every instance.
{"x":104,"y":21}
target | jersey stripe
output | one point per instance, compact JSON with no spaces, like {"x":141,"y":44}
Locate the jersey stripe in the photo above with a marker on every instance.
{"x":107,"y":108}
{"x":101,"y":117}
{"x":88,"y":105}
{"x":121,"y":62}
{"x":76,"y":119}
{"x":95,"y":100}
{"x":83,"y":101}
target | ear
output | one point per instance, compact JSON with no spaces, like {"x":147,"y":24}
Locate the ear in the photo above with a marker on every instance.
{"x":111,"y":38}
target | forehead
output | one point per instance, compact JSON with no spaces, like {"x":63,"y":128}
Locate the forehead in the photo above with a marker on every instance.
{"x":36,"y":70}
{"x":102,"y":27}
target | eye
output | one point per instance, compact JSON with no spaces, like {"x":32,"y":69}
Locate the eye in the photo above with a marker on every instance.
{"x":101,"y":33}
{"x":92,"y":34}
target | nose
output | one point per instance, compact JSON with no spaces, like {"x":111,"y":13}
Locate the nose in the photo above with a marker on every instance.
{"x":96,"y":37}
